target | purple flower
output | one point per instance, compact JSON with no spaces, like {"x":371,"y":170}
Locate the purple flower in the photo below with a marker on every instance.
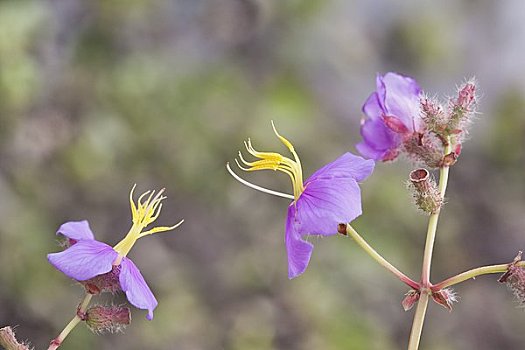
{"x":327,"y":198}
{"x":331,"y":196}
{"x":392,"y":112}
{"x":88,"y":258}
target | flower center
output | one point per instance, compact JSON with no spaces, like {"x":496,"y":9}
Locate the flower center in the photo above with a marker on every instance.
{"x":145,"y":212}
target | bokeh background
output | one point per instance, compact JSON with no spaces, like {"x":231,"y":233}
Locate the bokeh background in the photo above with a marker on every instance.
{"x":98,"y":95}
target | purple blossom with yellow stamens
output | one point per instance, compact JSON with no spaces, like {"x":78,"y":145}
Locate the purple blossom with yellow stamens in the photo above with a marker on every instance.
{"x":327,"y":198}
{"x":102,"y":267}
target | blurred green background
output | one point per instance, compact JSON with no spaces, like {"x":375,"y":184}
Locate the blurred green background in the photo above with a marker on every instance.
{"x":98,"y":95}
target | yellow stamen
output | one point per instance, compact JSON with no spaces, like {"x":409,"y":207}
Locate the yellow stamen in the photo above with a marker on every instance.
{"x":143,"y":213}
{"x":275,"y":161}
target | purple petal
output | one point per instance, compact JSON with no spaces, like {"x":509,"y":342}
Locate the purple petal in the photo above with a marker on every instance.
{"x":76,"y":230}
{"x":381,"y":92}
{"x":402,"y":98}
{"x":298,"y":250}
{"x":325,"y":203}
{"x":135,"y":287}
{"x":372,"y":108}
{"x":378,"y":138}
{"x":347,"y":165}
{"x":369,"y":152}
{"x":84,"y":260}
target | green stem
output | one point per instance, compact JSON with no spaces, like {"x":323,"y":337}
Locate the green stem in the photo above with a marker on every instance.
{"x":483,"y":270}
{"x":419,"y":319}
{"x":377,"y":257}
{"x":55,"y":343}
{"x":419,"y":316}
{"x":432,"y":228}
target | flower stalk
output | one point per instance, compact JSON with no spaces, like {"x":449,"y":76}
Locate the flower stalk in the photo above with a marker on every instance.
{"x":419,"y":316}
{"x":350,"y":231}
{"x":55,"y":343}
{"x":473,"y":273}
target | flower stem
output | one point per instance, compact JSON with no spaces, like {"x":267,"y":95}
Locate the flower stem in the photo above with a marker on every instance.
{"x":419,"y":316}
{"x":483,"y":270}
{"x":431,"y":230}
{"x":419,"y":319}
{"x":55,"y":343}
{"x":377,"y":257}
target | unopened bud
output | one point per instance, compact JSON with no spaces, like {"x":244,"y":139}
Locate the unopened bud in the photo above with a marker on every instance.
{"x":462,"y":108}
{"x":107,"y":319}
{"x":107,"y":282}
{"x":514,"y":278}
{"x":411,"y":298}
{"x":426,"y":193}
{"x":425,"y":148}
{"x":445,"y":297}
{"x":433,"y":116}
{"x":466,"y":97}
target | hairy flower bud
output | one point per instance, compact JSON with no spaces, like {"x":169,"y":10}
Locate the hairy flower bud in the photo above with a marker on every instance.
{"x":462,"y":108}
{"x":514,"y":278}
{"x":433,"y":116}
{"x":107,"y":319}
{"x":424,"y":147}
{"x":425,"y":191}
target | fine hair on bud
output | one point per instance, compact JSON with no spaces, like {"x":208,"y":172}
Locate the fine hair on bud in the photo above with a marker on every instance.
{"x":425,"y":191}
{"x":433,"y":115}
{"x":425,"y":148}
{"x":462,"y":108}
{"x":101,"y":319}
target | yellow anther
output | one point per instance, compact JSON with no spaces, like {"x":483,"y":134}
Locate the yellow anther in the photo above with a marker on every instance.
{"x":275,"y":161}
{"x":143,"y":213}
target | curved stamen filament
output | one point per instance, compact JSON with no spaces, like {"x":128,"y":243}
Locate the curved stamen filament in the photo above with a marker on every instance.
{"x":160,"y":229}
{"x":255,"y":187}
{"x":273,"y":161}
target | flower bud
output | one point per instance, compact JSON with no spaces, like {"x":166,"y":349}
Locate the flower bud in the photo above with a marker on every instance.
{"x":462,"y":108}
{"x":445,"y":297}
{"x":411,"y":297}
{"x":466,"y":97}
{"x":107,"y":319}
{"x":514,"y":278}
{"x":424,"y":147}
{"x":425,"y":191}
{"x":433,"y":116}
{"x":107,"y":282}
